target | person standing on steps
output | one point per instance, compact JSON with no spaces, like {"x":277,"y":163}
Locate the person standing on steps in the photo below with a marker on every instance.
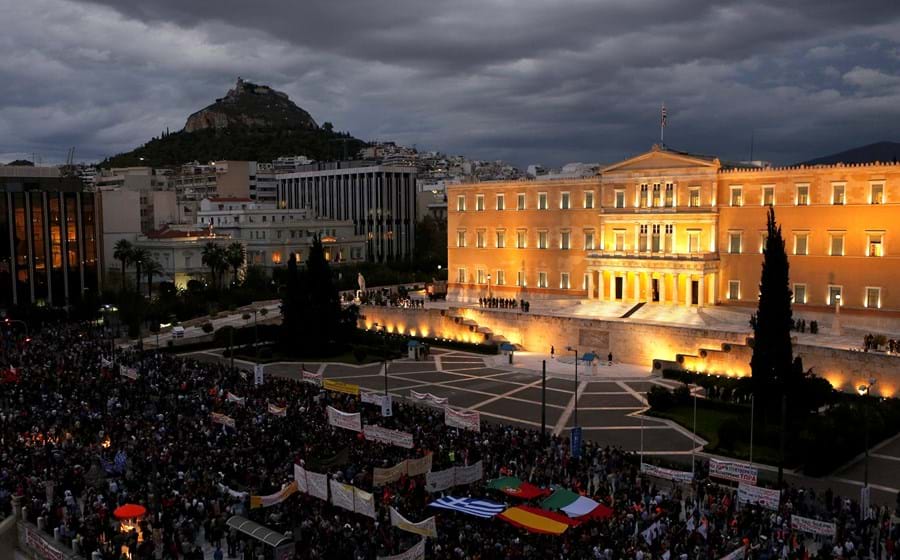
{"x":609,"y":357}
{"x":552,"y":352}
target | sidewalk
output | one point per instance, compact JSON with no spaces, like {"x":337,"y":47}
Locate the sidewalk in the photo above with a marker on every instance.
{"x":564,"y":366}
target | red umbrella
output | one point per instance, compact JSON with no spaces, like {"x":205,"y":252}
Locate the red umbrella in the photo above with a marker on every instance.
{"x":129,"y":511}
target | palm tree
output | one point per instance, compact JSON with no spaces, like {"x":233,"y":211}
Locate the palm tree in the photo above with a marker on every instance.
{"x":213,"y":256}
{"x":139,"y":257}
{"x":152,"y":268}
{"x":236,"y":255}
{"x":123,"y":252}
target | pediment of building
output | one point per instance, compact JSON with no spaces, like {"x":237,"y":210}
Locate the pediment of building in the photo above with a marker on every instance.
{"x":662,"y":158}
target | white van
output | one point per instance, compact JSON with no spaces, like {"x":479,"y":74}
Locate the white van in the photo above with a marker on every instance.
{"x":177,"y":331}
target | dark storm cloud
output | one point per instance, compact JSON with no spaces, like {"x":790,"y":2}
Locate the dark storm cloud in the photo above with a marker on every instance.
{"x":527,"y":81}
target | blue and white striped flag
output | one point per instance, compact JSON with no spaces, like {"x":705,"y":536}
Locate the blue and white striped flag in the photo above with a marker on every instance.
{"x":471,"y":506}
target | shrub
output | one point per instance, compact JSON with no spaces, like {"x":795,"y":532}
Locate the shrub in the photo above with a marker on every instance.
{"x":660,"y":398}
{"x":682,"y":395}
{"x":359,"y":354}
{"x":729,"y":432}
{"x":207,"y":327}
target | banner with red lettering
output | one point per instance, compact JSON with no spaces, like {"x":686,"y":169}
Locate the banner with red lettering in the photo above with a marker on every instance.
{"x":465,"y":419}
{"x":346,"y":420}
{"x":223,"y":419}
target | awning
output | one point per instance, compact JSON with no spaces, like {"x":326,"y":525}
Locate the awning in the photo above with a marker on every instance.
{"x":257,"y":531}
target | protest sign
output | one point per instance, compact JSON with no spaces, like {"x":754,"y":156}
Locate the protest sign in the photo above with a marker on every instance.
{"x":730,"y":470}
{"x":814,"y":526}
{"x":387,"y":436}
{"x":346,"y":420}
{"x":258,"y":376}
{"x":416,"y":467}
{"x":277,"y":410}
{"x":364,"y":503}
{"x":749,"y":494}
{"x":341,"y":495}
{"x":310,"y":377}
{"x":380,"y":476}
{"x":231,"y":397}
{"x":425,"y":528}
{"x":300,"y":479}
{"x":318,"y":485}
{"x":468,"y":475}
{"x":440,"y":480}
{"x":286,"y":491}
{"x":465,"y":419}
{"x":428,"y":398}
{"x":417,"y":552}
{"x":223,"y":419}
{"x":667,"y":474}
{"x":341,"y":387}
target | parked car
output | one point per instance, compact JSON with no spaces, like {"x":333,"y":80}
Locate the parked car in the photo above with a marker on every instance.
{"x":177,"y":331}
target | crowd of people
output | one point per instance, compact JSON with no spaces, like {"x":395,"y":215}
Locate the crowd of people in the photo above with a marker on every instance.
{"x":881,"y":343}
{"x":79,"y":439}
{"x":504,"y":303}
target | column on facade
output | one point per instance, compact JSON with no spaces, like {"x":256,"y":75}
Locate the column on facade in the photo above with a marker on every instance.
{"x":701,"y":291}
{"x":636,"y":279}
{"x":601,"y":295}
{"x":648,"y":285}
{"x":590,"y":284}
{"x":662,"y":287}
{"x":714,"y":280}
{"x":675,"y":289}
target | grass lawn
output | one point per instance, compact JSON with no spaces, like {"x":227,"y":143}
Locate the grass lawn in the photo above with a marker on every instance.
{"x":708,"y":422}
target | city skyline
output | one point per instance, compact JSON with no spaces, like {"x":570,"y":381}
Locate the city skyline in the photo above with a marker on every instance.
{"x":528,"y":83}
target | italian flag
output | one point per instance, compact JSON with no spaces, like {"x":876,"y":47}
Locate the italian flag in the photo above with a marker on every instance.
{"x":512,"y":486}
{"x":576,"y":506}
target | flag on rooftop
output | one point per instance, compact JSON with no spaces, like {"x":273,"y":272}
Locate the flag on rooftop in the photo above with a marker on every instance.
{"x":471,"y":506}
{"x":515,"y":487}
{"x":536,"y":520}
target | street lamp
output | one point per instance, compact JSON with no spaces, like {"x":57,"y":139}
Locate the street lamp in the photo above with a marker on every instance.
{"x":489,"y":285}
{"x":384,"y":358}
{"x":865,"y":390}
{"x":575,"y":350}
{"x":836,"y":328}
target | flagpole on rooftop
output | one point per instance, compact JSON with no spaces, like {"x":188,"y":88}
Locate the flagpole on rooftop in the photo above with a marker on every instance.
{"x":662,"y":125}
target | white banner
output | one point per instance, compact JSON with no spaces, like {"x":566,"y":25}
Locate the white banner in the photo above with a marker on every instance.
{"x":667,"y":474}
{"x":389,"y":437}
{"x":346,"y":420}
{"x":428,"y":398}
{"x":341,"y":495}
{"x":417,"y":552}
{"x":222,"y":419}
{"x":380,"y":476}
{"x":277,"y":410}
{"x":465,"y":419}
{"x":420,"y":466}
{"x":730,"y":470}
{"x":310,"y":377}
{"x":737,"y":554}
{"x":813,"y":526}
{"x":286,"y":492}
{"x":231,"y":397}
{"x":440,"y":480}
{"x":41,"y":545}
{"x":468,"y":475}
{"x":300,"y":478}
{"x":258,"y":374}
{"x":363,"y":503}
{"x":425,"y":528}
{"x":318,"y":485}
{"x":386,"y":402}
{"x":749,"y":494}
{"x":129,"y":372}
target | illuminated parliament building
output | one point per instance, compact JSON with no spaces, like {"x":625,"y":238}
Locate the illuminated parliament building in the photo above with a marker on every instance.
{"x":673,"y":228}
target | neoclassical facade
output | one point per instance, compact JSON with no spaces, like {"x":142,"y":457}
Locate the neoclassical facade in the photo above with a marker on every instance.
{"x":672,"y":228}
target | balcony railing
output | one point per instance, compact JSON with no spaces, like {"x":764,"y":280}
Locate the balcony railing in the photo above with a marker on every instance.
{"x":631,"y":254}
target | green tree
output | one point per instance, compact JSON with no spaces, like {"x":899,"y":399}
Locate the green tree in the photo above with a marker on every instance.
{"x":151,"y":268}
{"x":235,"y":256}
{"x":213,"y":256}
{"x":431,"y":244}
{"x":140,"y":257}
{"x":123,"y":252}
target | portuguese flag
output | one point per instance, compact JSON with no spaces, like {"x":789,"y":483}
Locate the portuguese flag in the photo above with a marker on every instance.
{"x":512,"y":486}
{"x":536,"y":520}
{"x":576,"y":506}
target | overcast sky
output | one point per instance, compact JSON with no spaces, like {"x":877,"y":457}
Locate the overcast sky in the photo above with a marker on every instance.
{"x":528,"y":81}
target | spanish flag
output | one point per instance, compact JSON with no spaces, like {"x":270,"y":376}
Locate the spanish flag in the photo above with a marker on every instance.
{"x":536,"y":520}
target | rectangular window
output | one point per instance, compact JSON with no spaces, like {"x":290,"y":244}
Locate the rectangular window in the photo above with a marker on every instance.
{"x":564,"y":201}
{"x":564,"y":281}
{"x":642,"y":237}
{"x":670,"y":238}
{"x":479,"y":203}
{"x":645,"y":195}
{"x":501,"y":202}
{"x":501,"y":239}
{"x":763,"y":237}
{"x":835,"y":295}
{"x":734,"y":242}
{"x":564,"y":240}
{"x":461,"y":275}
{"x":619,"y":240}
{"x":542,"y":201}
{"x":589,"y":240}
{"x":670,"y":195}
{"x":837,"y":194}
{"x":801,"y":243}
{"x":657,"y":199}
{"x":461,"y":238}
{"x":542,"y":279}
{"x":520,"y":239}
{"x":542,"y":240}
{"x":520,"y":278}
{"x":768,"y":195}
{"x":800,"y":293}
{"x":479,"y":276}
{"x":876,"y":193}
{"x":694,"y":197}
{"x":873,"y":298}
{"x":501,"y":277}
{"x":479,"y":239}
{"x":837,"y":244}
{"x":737,"y":196}
{"x":588,"y":199}
{"x":520,"y":201}
{"x":585,"y":280}
{"x":734,"y":289}
{"x":619,"y":199}
{"x":461,"y":203}
{"x":655,"y":240}
{"x":876,"y":246}
{"x":802,"y":195}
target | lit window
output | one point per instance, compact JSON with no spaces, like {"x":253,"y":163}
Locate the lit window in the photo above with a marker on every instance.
{"x":837,"y":194}
{"x":800,"y":293}
{"x":734,"y":289}
{"x":501,"y":278}
{"x":694,"y":198}
{"x":873,"y":298}
{"x":876,"y":245}
{"x":588,"y":199}
{"x":657,"y":202}
{"x":461,"y":275}
{"x":520,"y":278}
{"x":564,"y":281}
{"x":837,"y":244}
{"x":734,"y":242}
{"x":763,"y":237}
{"x":835,"y":295}
{"x":670,"y":195}
{"x":542,"y":201}
{"x":644,"y":196}
{"x":655,"y":239}
{"x":802,"y":195}
{"x":461,"y":203}
{"x":768,"y":195}
{"x":542,"y":240}
{"x":501,"y":202}
{"x":501,"y":239}
{"x":737,"y":196}
{"x":642,"y":237}
{"x":586,"y":280}
{"x":542,"y":279}
{"x":876,"y":193}
{"x":564,"y":240}
{"x":801,"y":243}
{"x":479,"y":203}
{"x":520,"y":239}
{"x":479,"y":276}
{"x":479,"y":239}
{"x":564,"y":201}
{"x":461,"y":238}
{"x":670,"y":237}
{"x":589,"y":240}
{"x":620,"y":199}
{"x":520,"y":201}
{"x":619,"y":240}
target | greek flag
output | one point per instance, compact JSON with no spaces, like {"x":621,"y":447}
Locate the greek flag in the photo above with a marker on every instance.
{"x":471,"y":506}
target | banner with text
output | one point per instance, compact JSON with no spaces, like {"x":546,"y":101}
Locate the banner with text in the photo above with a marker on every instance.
{"x":341,"y":387}
{"x":749,"y":494}
{"x":280,"y":411}
{"x":129,"y":372}
{"x":318,"y":485}
{"x":364,"y":503}
{"x":380,"y":476}
{"x":286,"y":492}
{"x":310,"y":377}
{"x":454,"y":476}
{"x":814,"y":526}
{"x":425,"y":528}
{"x":388,"y":436}
{"x":223,"y":419}
{"x":667,"y":474}
{"x":465,"y":419}
{"x":730,"y":470}
{"x":417,"y":552}
{"x":341,"y":495}
{"x":428,"y":398}
{"x":420,"y":466}
{"x":346,"y":420}
{"x":231,"y":397}
{"x":300,"y":479}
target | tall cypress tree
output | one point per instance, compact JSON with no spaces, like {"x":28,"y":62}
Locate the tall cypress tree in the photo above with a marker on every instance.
{"x":771,"y":363}
{"x":324,"y":304}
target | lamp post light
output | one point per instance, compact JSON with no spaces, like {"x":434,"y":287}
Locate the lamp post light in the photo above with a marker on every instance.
{"x":384,"y":333}
{"x":836,"y":328}
{"x":489,"y":285}
{"x":575,"y":350}
{"x":865,"y":390}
